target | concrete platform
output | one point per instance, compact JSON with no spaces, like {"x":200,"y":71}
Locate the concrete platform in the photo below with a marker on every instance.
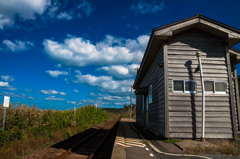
{"x":129,"y":145}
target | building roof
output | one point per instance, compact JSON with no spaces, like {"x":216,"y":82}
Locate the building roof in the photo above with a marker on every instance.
{"x":227,"y":33}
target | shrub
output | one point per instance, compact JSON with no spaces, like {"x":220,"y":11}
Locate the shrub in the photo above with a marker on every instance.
{"x":23,"y":121}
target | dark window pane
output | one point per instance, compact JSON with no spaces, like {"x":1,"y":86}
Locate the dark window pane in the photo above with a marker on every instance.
{"x":208,"y":86}
{"x":178,"y":85}
{"x":189,"y":85}
{"x":220,"y":86}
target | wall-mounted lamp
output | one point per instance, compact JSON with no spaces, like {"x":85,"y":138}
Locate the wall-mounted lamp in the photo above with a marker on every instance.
{"x":160,"y":65}
{"x":198,"y":53}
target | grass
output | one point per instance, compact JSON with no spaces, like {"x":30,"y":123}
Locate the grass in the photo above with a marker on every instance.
{"x":28,"y":128}
{"x":126,"y":114}
{"x":172,"y":140}
{"x":227,"y":147}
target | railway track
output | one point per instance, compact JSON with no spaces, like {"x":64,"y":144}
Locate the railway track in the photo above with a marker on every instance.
{"x":90,"y":144}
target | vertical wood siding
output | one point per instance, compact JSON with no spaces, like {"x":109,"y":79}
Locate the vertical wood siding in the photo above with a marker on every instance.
{"x":139,"y":110}
{"x":155,"y":77}
{"x":234,"y":98}
{"x":185,"y":108}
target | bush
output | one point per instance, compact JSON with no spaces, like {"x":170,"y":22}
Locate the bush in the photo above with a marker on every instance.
{"x":23,"y":121}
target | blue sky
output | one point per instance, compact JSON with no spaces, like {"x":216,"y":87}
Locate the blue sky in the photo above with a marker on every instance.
{"x":63,"y":53}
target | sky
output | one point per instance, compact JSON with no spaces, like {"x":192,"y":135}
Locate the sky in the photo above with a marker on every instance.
{"x":61,"y":54}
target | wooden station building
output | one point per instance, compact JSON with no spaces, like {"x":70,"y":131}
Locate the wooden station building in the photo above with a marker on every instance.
{"x":168,"y":84}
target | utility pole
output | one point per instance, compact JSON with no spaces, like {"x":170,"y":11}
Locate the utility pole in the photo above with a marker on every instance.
{"x":131,"y":103}
{"x":5,"y":105}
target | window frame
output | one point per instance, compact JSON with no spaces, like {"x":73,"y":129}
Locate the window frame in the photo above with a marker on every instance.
{"x":150,"y":94}
{"x":184,"y":91}
{"x":214,"y":87}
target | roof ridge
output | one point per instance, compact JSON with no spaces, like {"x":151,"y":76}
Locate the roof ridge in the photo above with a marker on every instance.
{"x":201,"y":16}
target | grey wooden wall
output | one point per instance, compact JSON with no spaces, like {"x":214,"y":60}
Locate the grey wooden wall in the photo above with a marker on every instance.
{"x":155,"y":77}
{"x":185,"y":108}
{"x":139,"y":110}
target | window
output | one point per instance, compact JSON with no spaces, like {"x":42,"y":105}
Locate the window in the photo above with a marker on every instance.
{"x":150,"y":94}
{"x":184,"y":86}
{"x":215,"y":87}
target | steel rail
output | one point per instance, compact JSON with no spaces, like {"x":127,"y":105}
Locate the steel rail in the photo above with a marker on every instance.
{"x":103,"y":140}
{"x":74,"y":147}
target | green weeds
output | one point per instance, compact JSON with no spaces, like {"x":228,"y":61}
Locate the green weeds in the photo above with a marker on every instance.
{"x":24,"y":123}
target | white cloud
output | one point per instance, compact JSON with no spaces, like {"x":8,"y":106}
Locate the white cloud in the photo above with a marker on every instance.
{"x":4,"y":84}
{"x":76,"y":51}
{"x":75,"y":90}
{"x":64,"y":10}
{"x":7,"y":78}
{"x":65,"y":15}
{"x":16,"y":95}
{"x":58,"y":65}
{"x":54,"y":98}
{"x":111,"y":98}
{"x":86,"y":7}
{"x":72,"y":102}
{"x":49,"y":92}
{"x":25,"y":9}
{"x":121,"y":71}
{"x":17,"y":45}
{"x":105,"y":83}
{"x":46,"y":9}
{"x":103,"y":100}
{"x":56,"y":73}
{"x":146,"y":7}
{"x":52,"y":92}
{"x":62,"y":93}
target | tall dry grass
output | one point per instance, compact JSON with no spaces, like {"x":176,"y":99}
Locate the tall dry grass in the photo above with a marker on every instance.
{"x":227,"y":147}
{"x":28,"y":128}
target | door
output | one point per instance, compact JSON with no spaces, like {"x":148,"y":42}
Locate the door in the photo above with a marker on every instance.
{"x":146,"y":111}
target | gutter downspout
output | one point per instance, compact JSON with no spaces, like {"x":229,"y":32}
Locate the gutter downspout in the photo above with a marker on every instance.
{"x":203,"y":95}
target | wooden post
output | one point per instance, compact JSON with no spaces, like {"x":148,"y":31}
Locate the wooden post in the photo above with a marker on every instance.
{"x":165,"y":57}
{"x":231,"y":93}
{"x":237,"y":94}
{"x":4,"y":115}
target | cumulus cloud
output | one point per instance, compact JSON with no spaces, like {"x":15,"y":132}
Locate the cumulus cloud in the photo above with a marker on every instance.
{"x":76,"y":51}
{"x":75,"y":90}
{"x":56,"y":73}
{"x":121,"y":71}
{"x":105,"y":83}
{"x":17,"y":45}
{"x":4,"y":84}
{"x":25,"y":9}
{"x":52,"y":92}
{"x":7,"y":78}
{"x":145,"y":7}
{"x":10,"y":10}
{"x":54,"y":98}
